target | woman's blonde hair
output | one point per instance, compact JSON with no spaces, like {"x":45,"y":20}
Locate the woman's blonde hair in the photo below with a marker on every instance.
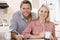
{"x":47,"y":18}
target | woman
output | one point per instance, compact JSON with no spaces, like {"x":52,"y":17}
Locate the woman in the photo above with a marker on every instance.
{"x":40,"y":26}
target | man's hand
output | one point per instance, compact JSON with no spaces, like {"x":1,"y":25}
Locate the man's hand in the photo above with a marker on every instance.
{"x":19,"y":37}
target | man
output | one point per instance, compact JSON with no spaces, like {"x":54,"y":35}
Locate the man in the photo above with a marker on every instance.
{"x":21,"y":19}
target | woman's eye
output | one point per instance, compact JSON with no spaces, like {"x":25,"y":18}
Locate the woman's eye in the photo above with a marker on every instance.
{"x":41,"y":11}
{"x":46,"y":12}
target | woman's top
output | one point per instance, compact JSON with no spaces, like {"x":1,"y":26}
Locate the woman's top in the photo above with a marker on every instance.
{"x":36,"y":28}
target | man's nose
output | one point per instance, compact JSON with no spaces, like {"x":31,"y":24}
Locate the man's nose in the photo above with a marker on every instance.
{"x":26,"y":10}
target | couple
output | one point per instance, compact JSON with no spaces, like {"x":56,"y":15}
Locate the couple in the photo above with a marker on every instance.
{"x":22,"y":23}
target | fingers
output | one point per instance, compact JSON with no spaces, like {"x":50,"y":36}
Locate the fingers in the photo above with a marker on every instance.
{"x":19,"y":37}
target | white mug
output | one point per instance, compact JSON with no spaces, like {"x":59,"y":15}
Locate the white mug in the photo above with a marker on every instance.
{"x":47,"y":35}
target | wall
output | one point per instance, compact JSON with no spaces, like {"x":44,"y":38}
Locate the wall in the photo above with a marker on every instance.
{"x":6,"y":13}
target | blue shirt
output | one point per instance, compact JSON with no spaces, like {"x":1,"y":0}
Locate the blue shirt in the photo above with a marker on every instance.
{"x":18,"y":23}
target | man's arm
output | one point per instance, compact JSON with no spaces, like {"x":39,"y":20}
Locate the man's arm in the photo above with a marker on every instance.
{"x":13,"y":35}
{"x":13,"y":26}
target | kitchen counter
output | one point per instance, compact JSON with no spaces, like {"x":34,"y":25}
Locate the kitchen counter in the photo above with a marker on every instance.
{"x":5,"y":33}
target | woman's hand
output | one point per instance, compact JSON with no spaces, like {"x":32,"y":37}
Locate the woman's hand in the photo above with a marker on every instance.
{"x":53,"y":38}
{"x":41,"y":35}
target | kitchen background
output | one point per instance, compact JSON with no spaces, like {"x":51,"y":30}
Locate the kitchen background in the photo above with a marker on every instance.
{"x":13,"y":6}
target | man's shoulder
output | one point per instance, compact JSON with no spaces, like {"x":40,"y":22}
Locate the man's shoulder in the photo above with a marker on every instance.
{"x":16,"y":13}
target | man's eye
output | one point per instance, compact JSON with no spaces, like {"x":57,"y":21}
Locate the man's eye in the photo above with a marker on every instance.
{"x":27,"y":8}
{"x":23,"y":8}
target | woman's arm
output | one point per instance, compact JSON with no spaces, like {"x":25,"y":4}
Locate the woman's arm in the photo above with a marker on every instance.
{"x":40,"y":35}
{"x":53,"y":33}
{"x":27,"y":31}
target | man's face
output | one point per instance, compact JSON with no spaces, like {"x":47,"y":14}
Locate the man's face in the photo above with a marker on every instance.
{"x":26,"y":10}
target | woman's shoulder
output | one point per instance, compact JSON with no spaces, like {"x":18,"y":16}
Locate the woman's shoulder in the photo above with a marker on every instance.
{"x":33,"y":22}
{"x":50,"y":23}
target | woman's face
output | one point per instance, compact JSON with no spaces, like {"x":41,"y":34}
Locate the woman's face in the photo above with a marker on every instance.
{"x":43,"y":12}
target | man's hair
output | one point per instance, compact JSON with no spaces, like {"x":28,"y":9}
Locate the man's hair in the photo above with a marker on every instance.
{"x":25,"y":2}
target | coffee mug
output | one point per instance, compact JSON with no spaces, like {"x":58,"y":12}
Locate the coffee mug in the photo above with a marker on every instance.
{"x":47,"y":35}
